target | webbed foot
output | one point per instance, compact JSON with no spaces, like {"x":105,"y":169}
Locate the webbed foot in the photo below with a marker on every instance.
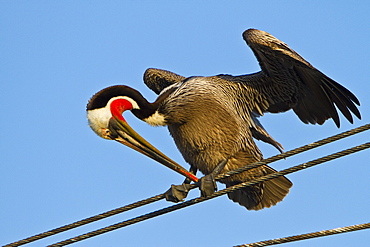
{"x":207,"y":185}
{"x":177,"y":193}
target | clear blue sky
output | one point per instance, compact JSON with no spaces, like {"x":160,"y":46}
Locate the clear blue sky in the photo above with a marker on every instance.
{"x":54,"y":170}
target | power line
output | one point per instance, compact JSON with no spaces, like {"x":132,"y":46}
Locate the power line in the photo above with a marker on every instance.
{"x":161,"y":196}
{"x":86,"y":221}
{"x":216,"y":194}
{"x":297,"y":150}
{"x":308,"y":235}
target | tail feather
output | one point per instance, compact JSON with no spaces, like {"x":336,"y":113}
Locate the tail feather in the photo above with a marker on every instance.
{"x":262,"y":195}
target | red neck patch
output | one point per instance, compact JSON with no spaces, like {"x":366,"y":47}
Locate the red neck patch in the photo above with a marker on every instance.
{"x":118,"y":106}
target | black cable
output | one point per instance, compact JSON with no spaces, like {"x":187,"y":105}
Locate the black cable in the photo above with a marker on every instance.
{"x":216,"y":194}
{"x":308,"y":235}
{"x":161,"y":196}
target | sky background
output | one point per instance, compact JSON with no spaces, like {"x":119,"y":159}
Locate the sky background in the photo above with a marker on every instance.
{"x":54,"y":170}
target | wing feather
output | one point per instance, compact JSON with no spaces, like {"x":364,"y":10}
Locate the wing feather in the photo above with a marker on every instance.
{"x":159,"y":79}
{"x":288,"y":81}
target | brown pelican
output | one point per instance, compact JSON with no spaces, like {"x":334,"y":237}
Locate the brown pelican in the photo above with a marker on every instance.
{"x":213,"y":119}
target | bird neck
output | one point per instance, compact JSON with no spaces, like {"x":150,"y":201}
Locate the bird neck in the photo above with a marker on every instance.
{"x":149,"y":113}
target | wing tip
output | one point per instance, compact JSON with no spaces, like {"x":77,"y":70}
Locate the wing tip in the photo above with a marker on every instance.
{"x":253,"y":35}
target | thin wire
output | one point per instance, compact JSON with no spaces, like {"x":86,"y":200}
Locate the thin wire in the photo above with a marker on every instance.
{"x":308,"y":235}
{"x":86,"y":221}
{"x":216,"y":194}
{"x":296,"y":151}
{"x":162,"y":196}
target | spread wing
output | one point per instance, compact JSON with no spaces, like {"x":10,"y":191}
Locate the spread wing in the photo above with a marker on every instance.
{"x":287,"y":81}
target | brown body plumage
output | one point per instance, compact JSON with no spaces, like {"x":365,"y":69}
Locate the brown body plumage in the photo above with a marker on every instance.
{"x":218,"y":132}
{"x":214,"y":118}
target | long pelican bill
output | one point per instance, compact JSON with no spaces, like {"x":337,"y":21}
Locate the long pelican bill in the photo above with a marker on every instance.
{"x":122,"y":132}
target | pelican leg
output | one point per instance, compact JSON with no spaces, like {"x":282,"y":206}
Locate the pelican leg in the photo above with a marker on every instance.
{"x":207,"y":184}
{"x":178,"y":193}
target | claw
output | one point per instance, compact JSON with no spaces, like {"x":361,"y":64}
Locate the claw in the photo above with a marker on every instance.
{"x":207,"y":185}
{"x":177,"y":193}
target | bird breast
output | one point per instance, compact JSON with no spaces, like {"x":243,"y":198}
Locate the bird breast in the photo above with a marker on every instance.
{"x":204,"y":123}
